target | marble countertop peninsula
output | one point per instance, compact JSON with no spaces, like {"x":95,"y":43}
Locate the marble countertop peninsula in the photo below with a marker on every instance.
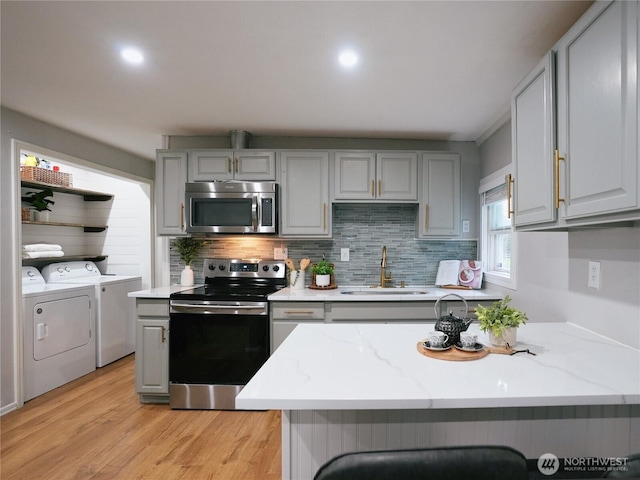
{"x":378,"y":366}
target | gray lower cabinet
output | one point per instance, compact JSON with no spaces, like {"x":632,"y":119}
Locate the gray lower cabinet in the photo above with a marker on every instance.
{"x":285,"y":316}
{"x":152,"y":350}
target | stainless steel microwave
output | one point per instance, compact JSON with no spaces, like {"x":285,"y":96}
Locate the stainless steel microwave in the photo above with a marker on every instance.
{"x":231,"y":207}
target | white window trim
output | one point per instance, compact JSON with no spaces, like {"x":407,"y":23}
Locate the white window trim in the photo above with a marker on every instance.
{"x":487,"y":183}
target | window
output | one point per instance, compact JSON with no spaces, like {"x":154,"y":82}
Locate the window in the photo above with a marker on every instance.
{"x":498,"y":238}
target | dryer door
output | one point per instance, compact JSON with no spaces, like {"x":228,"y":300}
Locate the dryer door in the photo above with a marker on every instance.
{"x":60,"y":326}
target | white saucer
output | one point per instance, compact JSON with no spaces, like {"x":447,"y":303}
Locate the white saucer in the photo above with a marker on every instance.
{"x":476,"y":348}
{"x":428,"y":346}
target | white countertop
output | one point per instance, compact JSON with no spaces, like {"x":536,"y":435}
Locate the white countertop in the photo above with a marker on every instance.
{"x":367,"y":366}
{"x":160,"y":292}
{"x":376,"y":295}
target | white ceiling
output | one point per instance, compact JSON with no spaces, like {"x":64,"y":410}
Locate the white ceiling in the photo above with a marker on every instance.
{"x":428,"y":69}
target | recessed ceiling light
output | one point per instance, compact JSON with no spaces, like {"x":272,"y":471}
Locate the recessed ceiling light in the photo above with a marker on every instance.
{"x":132,"y":55}
{"x":348,"y":58}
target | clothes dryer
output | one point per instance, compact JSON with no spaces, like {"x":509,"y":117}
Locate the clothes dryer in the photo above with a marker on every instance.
{"x":115,"y":311}
{"x":58,"y":333}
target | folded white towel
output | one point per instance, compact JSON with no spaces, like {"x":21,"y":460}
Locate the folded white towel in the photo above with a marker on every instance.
{"x":41,"y":247}
{"x":49,"y":254}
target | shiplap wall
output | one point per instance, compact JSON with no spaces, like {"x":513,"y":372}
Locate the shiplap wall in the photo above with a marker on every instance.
{"x":126,"y":241}
{"x":313,"y":437}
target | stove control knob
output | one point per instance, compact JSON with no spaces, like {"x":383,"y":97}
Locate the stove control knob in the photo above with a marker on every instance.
{"x":276,"y":268}
{"x":265,"y":268}
{"x":212,"y":267}
{"x":221,"y":267}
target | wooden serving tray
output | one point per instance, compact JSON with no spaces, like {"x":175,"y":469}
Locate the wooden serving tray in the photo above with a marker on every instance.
{"x":453,"y":354}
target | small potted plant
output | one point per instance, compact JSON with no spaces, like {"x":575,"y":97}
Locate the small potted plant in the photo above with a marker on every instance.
{"x":501,"y":321}
{"x":40,"y":202}
{"x":188,"y":248}
{"x":323,"y":271}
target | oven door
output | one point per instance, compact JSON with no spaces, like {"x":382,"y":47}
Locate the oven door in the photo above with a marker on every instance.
{"x":215,"y":347}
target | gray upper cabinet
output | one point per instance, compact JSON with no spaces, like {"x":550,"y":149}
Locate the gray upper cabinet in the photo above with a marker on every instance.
{"x":376,"y":176}
{"x":439,"y":207}
{"x":305,"y":208}
{"x":211,"y":165}
{"x":584,"y":170}
{"x":171,"y":175}
{"x":533,"y":142}
{"x":598,"y":111}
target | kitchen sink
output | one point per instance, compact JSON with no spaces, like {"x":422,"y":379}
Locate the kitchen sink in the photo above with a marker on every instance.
{"x":390,"y":291}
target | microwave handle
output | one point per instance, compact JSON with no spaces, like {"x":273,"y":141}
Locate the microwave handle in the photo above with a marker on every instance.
{"x":255,"y":213}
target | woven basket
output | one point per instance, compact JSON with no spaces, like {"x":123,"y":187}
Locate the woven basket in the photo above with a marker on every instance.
{"x":44,"y":175}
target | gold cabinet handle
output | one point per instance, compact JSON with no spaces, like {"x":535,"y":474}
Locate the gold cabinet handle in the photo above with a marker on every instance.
{"x":373,"y":188}
{"x":298,"y":312}
{"x":379,"y":188}
{"x":182,"y":216}
{"x":426,"y":217}
{"x":164,"y":335}
{"x":556,"y":161}
{"x":324,"y":217}
{"x":509,"y":181}
{"x":236,"y":164}
{"x":229,"y":165}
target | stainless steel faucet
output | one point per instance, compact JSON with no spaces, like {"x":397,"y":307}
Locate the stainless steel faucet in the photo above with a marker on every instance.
{"x":383,"y":269}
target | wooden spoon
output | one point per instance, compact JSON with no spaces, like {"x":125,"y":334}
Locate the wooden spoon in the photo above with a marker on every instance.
{"x":290,"y":263}
{"x":304,"y":263}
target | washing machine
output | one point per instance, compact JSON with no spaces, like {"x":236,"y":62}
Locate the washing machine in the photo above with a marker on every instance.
{"x":115,"y":311}
{"x":58,"y":333}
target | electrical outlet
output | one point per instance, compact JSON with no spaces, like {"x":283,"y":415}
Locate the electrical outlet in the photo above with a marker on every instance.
{"x":465,"y":226}
{"x":594,"y":275}
{"x":344,"y":254}
{"x":280,"y":253}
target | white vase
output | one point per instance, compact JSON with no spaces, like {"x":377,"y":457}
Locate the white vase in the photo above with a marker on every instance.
{"x":186,"y":276}
{"x":509,"y":335}
{"x":323,"y":280}
{"x":296,"y":279}
{"x":41,"y":216}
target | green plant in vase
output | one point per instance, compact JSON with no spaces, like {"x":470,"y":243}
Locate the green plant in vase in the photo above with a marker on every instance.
{"x":323,"y":271}
{"x":187,"y":248}
{"x":501,"y":321}
{"x":40,"y":201}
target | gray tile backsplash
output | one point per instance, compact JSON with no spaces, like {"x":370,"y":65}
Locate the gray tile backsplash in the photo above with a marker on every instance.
{"x":363,"y":229}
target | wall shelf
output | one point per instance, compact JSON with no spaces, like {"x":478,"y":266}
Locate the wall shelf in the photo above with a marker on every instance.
{"x":87,"y":228}
{"x":41,"y":262}
{"x":88,"y":195}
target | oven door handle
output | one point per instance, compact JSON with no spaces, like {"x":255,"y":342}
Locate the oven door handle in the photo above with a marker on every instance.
{"x":187,"y":307}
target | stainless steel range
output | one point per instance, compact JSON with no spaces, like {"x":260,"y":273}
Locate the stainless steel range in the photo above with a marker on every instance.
{"x":219,"y":333}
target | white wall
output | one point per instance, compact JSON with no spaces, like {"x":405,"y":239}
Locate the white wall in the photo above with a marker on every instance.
{"x":552,"y":269}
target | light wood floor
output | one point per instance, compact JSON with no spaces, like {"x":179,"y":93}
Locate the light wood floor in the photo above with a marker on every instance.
{"x":95,"y":428}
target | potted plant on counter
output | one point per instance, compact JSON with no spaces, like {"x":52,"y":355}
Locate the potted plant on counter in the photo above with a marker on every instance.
{"x":188,"y":248}
{"x":40,"y":202}
{"x":501,"y":321}
{"x":323,"y":271}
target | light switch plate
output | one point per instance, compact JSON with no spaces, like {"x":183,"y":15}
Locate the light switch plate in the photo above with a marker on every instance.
{"x":594,"y":275}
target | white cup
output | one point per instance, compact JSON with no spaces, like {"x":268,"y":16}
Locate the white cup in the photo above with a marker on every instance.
{"x":468,"y":340}
{"x":438,"y":339}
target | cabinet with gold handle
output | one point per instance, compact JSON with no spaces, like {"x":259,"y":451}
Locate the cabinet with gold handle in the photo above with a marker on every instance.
{"x":509,"y":181}
{"x":556,"y":164}
{"x":229,"y":169}
{"x":164,"y":331}
{"x":379,"y":188}
{"x":426,"y":217}
{"x":236,"y":162}
{"x":182,"y":226}
{"x":324,"y":217}
{"x":373,"y":188}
